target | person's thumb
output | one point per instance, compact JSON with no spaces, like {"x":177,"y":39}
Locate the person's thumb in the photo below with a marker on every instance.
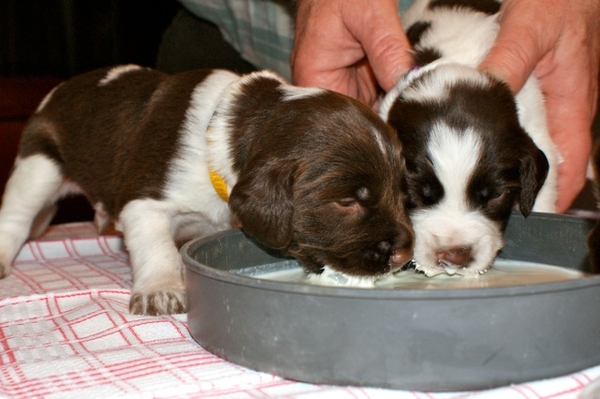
{"x":518,"y":47}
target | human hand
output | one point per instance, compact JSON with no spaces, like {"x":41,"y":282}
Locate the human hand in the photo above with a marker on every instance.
{"x":350,"y":46}
{"x":559,"y":41}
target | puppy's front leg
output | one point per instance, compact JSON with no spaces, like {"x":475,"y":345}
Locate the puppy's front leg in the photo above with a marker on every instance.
{"x":158,"y":286}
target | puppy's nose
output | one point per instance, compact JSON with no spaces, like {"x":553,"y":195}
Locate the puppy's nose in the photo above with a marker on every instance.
{"x":401,"y":256}
{"x":458,"y":256}
{"x":403,"y":249}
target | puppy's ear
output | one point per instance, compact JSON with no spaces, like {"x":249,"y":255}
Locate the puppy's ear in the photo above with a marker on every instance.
{"x":262,"y":202}
{"x":533,"y":171}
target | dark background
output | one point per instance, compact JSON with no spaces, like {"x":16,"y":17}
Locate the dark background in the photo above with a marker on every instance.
{"x":61,"y":38}
{"x":43,"y":42}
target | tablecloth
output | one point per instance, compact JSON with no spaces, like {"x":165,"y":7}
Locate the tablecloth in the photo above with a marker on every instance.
{"x":65,"y":332}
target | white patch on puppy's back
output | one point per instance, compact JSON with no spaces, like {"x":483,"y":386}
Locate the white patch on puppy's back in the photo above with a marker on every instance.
{"x":449,"y":34}
{"x":47,"y":98}
{"x":294,"y":93}
{"x":116,"y":72}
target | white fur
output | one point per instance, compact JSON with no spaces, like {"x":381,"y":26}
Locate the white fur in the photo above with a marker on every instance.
{"x":379,"y":140}
{"x":294,"y":93}
{"x":203,"y":148}
{"x":157,"y":268}
{"x":46,"y":99}
{"x":116,"y":72}
{"x":34,"y":180}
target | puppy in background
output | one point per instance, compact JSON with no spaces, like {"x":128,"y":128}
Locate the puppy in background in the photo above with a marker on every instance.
{"x":169,"y":158}
{"x":472,"y":149}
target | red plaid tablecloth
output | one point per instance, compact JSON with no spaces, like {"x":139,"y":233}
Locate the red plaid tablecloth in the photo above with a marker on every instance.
{"x":65,"y":332}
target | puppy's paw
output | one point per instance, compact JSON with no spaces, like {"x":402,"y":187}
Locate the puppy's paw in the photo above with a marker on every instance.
{"x":4,"y":269}
{"x":9,"y":248}
{"x":159,"y":302}
{"x":6,"y":257}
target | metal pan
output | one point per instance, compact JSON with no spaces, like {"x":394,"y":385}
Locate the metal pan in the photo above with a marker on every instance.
{"x":432,"y":340}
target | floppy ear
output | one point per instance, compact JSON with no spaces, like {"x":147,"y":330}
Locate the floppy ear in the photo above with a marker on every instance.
{"x":533,"y":170}
{"x":262,"y":202}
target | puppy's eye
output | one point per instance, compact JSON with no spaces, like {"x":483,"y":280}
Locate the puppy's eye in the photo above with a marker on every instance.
{"x":487,"y":194}
{"x":430,"y":193}
{"x":349,"y":206}
{"x":347,"y":202}
{"x":427,"y":190}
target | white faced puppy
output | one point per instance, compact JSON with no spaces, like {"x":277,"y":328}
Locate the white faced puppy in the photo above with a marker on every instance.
{"x":472,"y":149}
{"x":168,"y":158}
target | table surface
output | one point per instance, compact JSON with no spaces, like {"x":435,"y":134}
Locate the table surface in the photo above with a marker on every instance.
{"x":65,"y":331}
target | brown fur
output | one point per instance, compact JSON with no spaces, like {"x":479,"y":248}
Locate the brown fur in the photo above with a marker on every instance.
{"x":292,"y":182}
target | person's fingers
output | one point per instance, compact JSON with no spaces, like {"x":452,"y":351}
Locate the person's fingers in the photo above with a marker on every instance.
{"x":350,"y":46}
{"x":383,"y":39}
{"x":568,"y":77}
{"x":572,"y":170}
{"x":569,"y":123}
{"x":527,"y":32}
{"x":323,"y":47}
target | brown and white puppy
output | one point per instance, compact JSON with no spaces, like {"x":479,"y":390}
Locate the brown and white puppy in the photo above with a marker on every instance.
{"x":472,"y":149}
{"x":308,"y":171}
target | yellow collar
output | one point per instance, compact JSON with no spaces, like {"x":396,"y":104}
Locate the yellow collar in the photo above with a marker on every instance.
{"x":215,"y":178}
{"x":219,"y":184}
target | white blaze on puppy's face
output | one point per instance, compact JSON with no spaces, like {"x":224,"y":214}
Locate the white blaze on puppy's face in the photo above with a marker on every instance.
{"x":452,"y":224}
{"x":454,"y":156}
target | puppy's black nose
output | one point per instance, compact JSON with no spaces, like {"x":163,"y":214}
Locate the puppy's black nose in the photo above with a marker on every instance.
{"x":458,"y":256}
